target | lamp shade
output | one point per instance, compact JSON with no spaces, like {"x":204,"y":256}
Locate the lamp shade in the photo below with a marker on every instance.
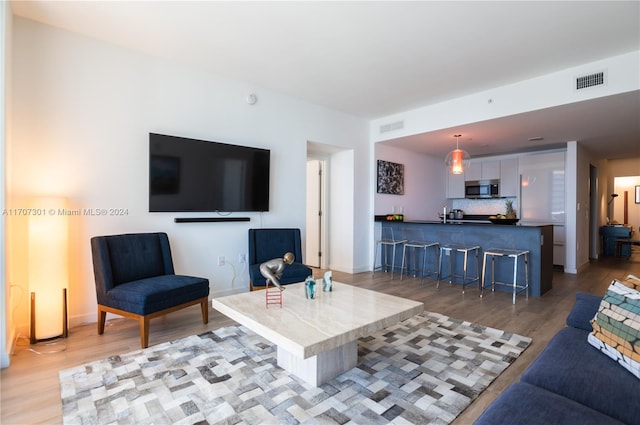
{"x":48,"y":257}
{"x":457,"y":160}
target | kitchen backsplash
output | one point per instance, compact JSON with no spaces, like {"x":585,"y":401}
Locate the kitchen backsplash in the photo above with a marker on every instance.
{"x":483,"y":206}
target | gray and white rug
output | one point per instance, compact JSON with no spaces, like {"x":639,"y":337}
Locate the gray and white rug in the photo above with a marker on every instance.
{"x":425,"y":370}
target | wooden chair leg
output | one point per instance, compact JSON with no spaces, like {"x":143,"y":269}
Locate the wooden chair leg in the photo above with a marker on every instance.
{"x":102,"y":316}
{"x":144,"y":331}
{"x":204,"y":305}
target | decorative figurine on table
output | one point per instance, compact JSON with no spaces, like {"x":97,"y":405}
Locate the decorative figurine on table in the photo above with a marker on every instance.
{"x":272,"y":271}
{"x":327,"y":282}
{"x":310,"y":287}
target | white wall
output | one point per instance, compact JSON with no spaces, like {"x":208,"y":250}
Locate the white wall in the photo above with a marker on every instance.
{"x":424,"y":184}
{"x":83,"y":111}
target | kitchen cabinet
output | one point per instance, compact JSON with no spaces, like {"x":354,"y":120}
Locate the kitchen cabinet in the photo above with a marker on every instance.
{"x":482,"y":170}
{"x":559,"y":243}
{"x":455,"y":185}
{"x":509,"y":178}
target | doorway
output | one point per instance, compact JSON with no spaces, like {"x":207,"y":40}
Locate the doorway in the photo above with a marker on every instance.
{"x":625,"y":208}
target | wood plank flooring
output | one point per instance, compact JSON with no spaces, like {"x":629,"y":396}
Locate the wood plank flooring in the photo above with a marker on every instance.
{"x":30,"y":392}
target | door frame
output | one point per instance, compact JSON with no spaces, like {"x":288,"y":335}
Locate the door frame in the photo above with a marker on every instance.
{"x":321,"y":231}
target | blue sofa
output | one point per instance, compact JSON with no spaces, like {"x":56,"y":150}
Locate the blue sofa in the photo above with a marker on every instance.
{"x":570,"y":382}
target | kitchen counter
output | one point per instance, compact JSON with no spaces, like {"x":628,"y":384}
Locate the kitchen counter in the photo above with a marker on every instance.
{"x":474,"y":221}
{"x":537,"y":239}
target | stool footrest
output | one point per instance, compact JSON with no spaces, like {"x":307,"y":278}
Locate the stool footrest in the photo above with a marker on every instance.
{"x":464,"y":250}
{"x":514,"y":254}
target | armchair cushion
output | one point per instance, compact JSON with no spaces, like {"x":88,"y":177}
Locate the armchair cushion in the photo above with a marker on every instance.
{"x":146,"y":296}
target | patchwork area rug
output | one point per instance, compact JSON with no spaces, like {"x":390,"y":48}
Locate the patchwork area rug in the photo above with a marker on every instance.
{"x":425,"y":370}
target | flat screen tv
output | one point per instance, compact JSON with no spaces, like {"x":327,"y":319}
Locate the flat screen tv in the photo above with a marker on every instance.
{"x":202,"y":176}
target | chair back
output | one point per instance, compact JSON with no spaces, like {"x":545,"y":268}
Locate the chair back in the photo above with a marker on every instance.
{"x":386,"y":234}
{"x":267,"y":244}
{"x":125,"y":258}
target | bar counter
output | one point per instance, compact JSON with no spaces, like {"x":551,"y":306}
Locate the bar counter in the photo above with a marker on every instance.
{"x":538,"y":240}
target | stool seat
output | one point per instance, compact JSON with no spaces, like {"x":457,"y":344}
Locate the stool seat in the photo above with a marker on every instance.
{"x":450,"y":249}
{"x":514,"y":254}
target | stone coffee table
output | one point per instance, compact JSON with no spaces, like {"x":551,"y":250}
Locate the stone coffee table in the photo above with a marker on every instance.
{"x":317,"y":339}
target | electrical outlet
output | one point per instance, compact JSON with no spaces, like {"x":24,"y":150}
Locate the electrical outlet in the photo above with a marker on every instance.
{"x":242,"y":258}
{"x":221,"y":260}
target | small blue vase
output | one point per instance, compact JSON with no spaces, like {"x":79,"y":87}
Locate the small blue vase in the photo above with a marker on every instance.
{"x":310,"y":288}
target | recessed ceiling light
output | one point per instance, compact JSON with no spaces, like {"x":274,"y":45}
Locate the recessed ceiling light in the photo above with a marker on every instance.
{"x":535,"y":139}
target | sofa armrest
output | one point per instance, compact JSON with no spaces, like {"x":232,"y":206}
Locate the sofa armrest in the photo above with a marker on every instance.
{"x":583,"y":311}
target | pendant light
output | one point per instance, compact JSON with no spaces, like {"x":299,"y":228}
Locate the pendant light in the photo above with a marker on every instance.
{"x":457,"y":160}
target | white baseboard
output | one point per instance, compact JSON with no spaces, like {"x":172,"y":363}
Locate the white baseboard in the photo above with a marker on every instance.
{"x":5,"y":358}
{"x":344,"y":269}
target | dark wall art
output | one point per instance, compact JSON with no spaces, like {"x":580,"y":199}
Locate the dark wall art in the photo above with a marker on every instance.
{"x":390,"y":178}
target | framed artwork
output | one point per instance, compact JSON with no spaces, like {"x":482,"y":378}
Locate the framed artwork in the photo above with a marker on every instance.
{"x":390,"y":178}
{"x":637,"y":194}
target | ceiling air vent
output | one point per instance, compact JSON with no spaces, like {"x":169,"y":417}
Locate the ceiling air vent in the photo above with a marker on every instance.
{"x":590,"y":80}
{"x":398,"y":125}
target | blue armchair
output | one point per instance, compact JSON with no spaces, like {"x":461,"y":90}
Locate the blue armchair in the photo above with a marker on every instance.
{"x":135,"y":278}
{"x":267,"y":244}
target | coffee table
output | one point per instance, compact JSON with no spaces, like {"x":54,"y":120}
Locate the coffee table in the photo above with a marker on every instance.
{"x":317,"y":339}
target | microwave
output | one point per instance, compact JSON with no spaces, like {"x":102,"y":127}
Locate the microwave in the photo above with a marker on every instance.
{"x":482,"y":189}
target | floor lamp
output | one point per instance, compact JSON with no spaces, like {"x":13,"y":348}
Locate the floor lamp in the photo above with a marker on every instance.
{"x":610,"y":212}
{"x":48,"y":270}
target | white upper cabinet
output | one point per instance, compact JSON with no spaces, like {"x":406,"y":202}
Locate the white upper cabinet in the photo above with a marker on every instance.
{"x":455,"y":185}
{"x":509,"y":178}
{"x":482,"y":170}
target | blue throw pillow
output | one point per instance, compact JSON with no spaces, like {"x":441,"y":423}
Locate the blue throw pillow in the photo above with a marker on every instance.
{"x":583,"y":311}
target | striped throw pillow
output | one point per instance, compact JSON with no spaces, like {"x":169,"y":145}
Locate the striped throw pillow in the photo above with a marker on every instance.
{"x":631,"y":281}
{"x":616,"y":326}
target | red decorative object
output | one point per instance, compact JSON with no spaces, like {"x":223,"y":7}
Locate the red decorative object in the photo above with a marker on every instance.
{"x":456,"y":162}
{"x":273,"y":295}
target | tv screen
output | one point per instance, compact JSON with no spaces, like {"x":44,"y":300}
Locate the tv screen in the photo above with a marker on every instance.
{"x":201,"y":176}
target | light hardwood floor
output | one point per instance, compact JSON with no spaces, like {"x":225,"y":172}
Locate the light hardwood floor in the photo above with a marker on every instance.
{"x":30,"y":392}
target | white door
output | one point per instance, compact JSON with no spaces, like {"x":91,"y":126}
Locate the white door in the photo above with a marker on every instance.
{"x":314,"y":213}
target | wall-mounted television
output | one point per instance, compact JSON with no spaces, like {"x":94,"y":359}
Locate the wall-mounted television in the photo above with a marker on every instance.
{"x":203,"y":176}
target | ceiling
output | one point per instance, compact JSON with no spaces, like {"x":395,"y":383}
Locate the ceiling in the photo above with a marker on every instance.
{"x":373,"y":59}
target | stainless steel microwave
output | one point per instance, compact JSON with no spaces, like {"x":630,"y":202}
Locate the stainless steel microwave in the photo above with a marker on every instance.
{"x":482,"y":189}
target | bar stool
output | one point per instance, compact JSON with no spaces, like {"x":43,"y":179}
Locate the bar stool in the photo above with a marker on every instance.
{"x":515,"y":254}
{"x":449,"y":250}
{"x":415,"y":241}
{"x":386,"y":241}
